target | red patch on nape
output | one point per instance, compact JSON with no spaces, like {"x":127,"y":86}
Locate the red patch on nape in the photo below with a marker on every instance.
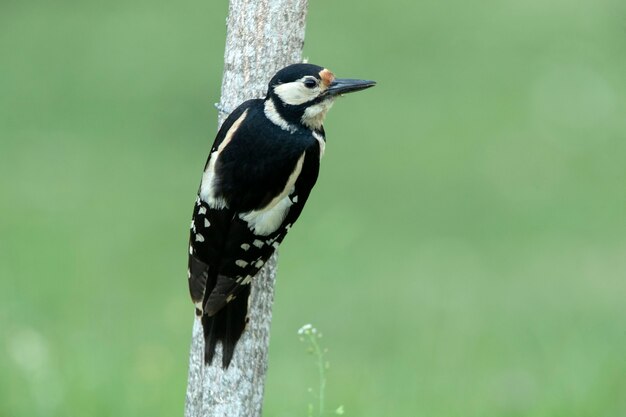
{"x":327,"y":77}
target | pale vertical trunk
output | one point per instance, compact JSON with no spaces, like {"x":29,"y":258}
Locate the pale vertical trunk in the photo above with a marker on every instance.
{"x":262,"y":37}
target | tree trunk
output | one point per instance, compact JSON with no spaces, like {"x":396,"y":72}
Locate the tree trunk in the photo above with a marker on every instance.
{"x":262,"y":37}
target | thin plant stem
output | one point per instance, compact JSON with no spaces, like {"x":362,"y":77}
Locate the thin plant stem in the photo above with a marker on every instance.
{"x":310,"y":334}
{"x":321,"y":367}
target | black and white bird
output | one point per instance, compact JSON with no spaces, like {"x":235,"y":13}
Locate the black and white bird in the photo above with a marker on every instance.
{"x":262,"y":167}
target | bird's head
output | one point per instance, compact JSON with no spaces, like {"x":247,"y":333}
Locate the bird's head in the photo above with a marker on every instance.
{"x":301,"y":94}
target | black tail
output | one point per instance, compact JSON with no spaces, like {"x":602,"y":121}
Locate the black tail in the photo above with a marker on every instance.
{"x":225,"y":326}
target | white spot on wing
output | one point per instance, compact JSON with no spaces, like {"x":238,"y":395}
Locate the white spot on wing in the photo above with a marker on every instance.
{"x":190,"y":250}
{"x":245,"y":246}
{"x":258,"y":243}
{"x":246,"y":280}
{"x":294,"y":199}
{"x":202,"y":210}
{"x":230,"y":298}
{"x":206,"y":222}
{"x":241,"y":263}
{"x":259,"y":263}
{"x":265,"y":222}
{"x":193,"y":226}
{"x":199,"y":237}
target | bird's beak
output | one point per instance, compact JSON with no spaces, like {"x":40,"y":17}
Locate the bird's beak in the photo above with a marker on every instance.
{"x":347,"y":85}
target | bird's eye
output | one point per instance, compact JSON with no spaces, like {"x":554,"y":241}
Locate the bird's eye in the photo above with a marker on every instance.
{"x":310,"y":83}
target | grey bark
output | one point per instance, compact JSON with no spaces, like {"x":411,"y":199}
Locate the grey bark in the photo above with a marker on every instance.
{"x":262,"y":37}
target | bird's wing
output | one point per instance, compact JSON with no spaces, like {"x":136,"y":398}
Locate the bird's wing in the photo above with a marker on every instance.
{"x":237,"y":229}
{"x":204,"y":247}
{"x":228,"y":124}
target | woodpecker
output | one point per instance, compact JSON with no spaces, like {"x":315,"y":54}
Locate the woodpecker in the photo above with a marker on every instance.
{"x":259,"y":174}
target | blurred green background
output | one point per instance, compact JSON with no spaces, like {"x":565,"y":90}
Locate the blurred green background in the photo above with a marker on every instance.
{"x":464,"y":252}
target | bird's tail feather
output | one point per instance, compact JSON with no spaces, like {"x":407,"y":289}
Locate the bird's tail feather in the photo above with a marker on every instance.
{"x":225,"y":326}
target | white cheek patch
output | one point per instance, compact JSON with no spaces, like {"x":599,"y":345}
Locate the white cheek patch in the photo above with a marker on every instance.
{"x":207,"y":187}
{"x":295,"y":93}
